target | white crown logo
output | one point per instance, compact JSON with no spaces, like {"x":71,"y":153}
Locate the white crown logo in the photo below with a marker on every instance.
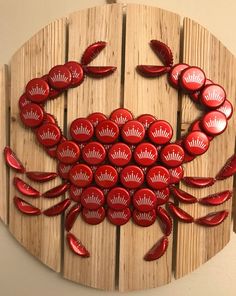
{"x":77,"y":191}
{"x":93,"y":154}
{"x":146,"y":124}
{"x":119,"y":155}
{"x":75,"y":74}
{"x":160,"y":194}
{"x":158,"y":178}
{"x":160,"y":133}
{"x":132,"y":178}
{"x":106,"y":177}
{"x":107,"y":132}
{"x":48,"y":135}
{"x":145,"y":201}
{"x":59,"y":77}
{"x":197,"y":143}
{"x":173,"y":156}
{"x":119,"y":215}
{"x":25,"y":102}
{"x":176,"y":76}
{"x":121,"y":119}
{"x":118,"y":199}
{"x":67,"y":153}
{"x":215,"y":123}
{"x":93,"y":215}
{"x":80,"y":176}
{"x":194,"y":78}
{"x":92,"y":199}
{"x":174,"y":173}
{"x":81,"y":130}
{"x":146,"y":154}
{"x":37,"y":90}
{"x":65,"y":169}
{"x":223,"y":109}
{"x":213,"y":96}
{"x":31,"y":115}
{"x":132,"y":132}
{"x":144,"y":216}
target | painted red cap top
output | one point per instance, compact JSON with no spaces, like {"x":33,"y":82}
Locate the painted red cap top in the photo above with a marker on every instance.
{"x":226,"y":108}
{"x":118,"y":198}
{"x":192,"y":79}
{"x":162,"y":195}
{"x":160,"y":132}
{"x":158,"y":177}
{"x":77,"y":73}
{"x":145,"y":154}
{"x":175,"y":73}
{"x":32,"y":115}
{"x":49,"y":118}
{"x":93,"y":216}
{"x":75,"y":193}
{"x":144,"y":218}
{"x":144,"y":200}
{"x":23,"y":101}
{"x":48,"y":134}
{"x":214,"y":123}
{"x":119,"y":217}
{"x":37,"y":90}
{"x":106,"y":176}
{"x":96,"y":117}
{"x":172,"y":155}
{"x":196,"y":143}
{"x":120,"y":154}
{"x":133,"y":132}
{"x":92,"y":198}
{"x":107,"y":131}
{"x":176,"y":174}
{"x":196,"y":94}
{"x":132,"y":177}
{"x":81,"y":130}
{"x":68,"y":152}
{"x":213,"y":96}
{"x":81,"y":175}
{"x":63,"y":170}
{"x":59,"y":77}
{"x":121,"y":116}
{"x":146,"y":120}
{"x":196,"y":126}
{"x":94,"y":153}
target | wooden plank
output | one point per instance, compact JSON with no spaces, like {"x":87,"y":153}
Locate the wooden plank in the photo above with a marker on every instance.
{"x":155,"y":96}
{"x":4,"y":130}
{"x":85,"y":28}
{"x":41,"y":236}
{"x":196,"y":244}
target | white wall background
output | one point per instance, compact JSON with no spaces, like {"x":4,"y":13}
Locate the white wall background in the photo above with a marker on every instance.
{"x":21,"y":274}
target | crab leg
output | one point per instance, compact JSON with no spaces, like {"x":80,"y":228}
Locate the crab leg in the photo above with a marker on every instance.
{"x":179,"y":213}
{"x":212,"y":219}
{"x":158,"y":250}
{"x":182,"y":195}
{"x":41,"y":176}
{"x":58,"y":208}
{"x":12,"y":161}
{"x":24,"y":188}
{"x":216,"y":199}
{"x":165,"y":219}
{"x":25,"y":207}
{"x":76,"y":246}
{"x":72,"y":216}
{"x":56,"y":191}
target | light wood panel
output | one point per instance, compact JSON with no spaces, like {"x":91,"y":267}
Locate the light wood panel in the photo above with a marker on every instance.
{"x":155,"y":96}
{"x":86,"y":27}
{"x":41,"y":236}
{"x":4,"y":136}
{"x":196,"y":244}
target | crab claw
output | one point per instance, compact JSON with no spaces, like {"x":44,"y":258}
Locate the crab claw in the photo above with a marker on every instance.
{"x":99,"y":71}
{"x":152,"y":71}
{"x":163,"y":52}
{"x":92,"y":51}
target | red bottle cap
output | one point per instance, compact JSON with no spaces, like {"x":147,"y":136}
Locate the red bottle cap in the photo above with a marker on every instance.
{"x":120,"y":217}
{"x":48,"y":134}
{"x":32,"y":115}
{"x":59,"y":77}
{"x":94,"y":153}
{"x":160,"y":132}
{"x":75,"y":193}
{"x":144,"y":200}
{"x":214,"y":123}
{"x":145,"y":154}
{"x":158,"y":177}
{"x":23,"y":101}
{"x":144,"y":218}
{"x":121,"y":116}
{"x":192,"y":79}
{"x":196,"y":126}
{"x":146,"y":120}
{"x":49,"y":118}
{"x":118,"y":198}
{"x":93,"y":216}
{"x":162,"y":195}
{"x":176,"y":174}
{"x":196,"y":94}
{"x":63,"y":170}
{"x":81,"y":175}
{"x":96,"y":117}
{"x":77,"y":73}
{"x":81,"y":130}
{"x":120,"y":154}
{"x":106,"y":176}
{"x":175,"y":73}
{"x":213,"y":96}
{"x":92,"y":198}
{"x":132,"y":177}
{"x":172,"y":155}
{"x":107,"y":131}
{"x":68,"y":152}
{"x":133,"y":132}
{"x":196,"y":143}
{"x":37,"y":90}
{"x":226,"y":109}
